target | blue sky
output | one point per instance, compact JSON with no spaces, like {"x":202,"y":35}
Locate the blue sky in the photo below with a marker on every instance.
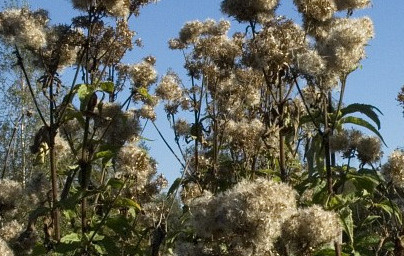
{"x":377,"y":83}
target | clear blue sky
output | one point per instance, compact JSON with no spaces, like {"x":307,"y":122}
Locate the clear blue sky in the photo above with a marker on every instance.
{"x":377,"y":83}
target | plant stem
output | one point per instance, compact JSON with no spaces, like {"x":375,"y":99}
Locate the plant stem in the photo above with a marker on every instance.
{"x":326,"y":143}
{"x":52,"y":158}
{"x":21,"y":64}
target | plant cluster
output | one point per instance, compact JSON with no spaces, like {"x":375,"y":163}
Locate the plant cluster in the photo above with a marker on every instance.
{"x":269,"y":165}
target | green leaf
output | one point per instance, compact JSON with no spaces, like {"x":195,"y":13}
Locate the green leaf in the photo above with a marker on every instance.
{"x":115,"y":183}
{"x":361,"y":122}
{"x":107,"y":86}
{"x":347,"y":223}
{"x":84,"y":92}
{"x":368,"y":240}
{"x":370,"y":219}
{"x":69,"y":238}
{"x":71,"y":202}
{"x":126,"y":202}
{"x":106,"y":154}
{"x":39,"y":250}
{"x":67,"y":248}
{"x":174,"y":186}
{"x":71,"y":113}
{"x":368,"y":110}
{"x":97,"y":236}
{"x":119,"y":224}
{"x":110,"y":245}
{"x":99,"y":249}
{"x":363,"y":181}
{"x":144,"y":93}
{"x":391,"y":209}
{"x":328,"y":252}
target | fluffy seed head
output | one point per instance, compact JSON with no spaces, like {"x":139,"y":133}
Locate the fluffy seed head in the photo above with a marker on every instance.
{"x":5,"y":249}
{"x":245,"y":217}
{"x":311,"y":227}
{"x":169,"y":88}
{"x":352,"y":4}
{"x":320,"y":10}
{"x":23,"y":27}
{"x":244,"y":10}
{"x":394,"y":168}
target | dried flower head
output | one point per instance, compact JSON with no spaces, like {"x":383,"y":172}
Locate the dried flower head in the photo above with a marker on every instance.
{"x":5,"y":249}
{"x":143,"y":74}
{"x":248,"y":10}
{"x":310,"y":228}
{"x":339,"y":142}
{"x":37,"y":188}
{"x":344,"y":43}
{"x":134,"y":162}
{"x":310,"y":63}
{"x":352,"y":4}
{"x":369,"y":149}
{"x":10,"y":193}
{"x":61,"y":48}
{"x":276,"y":46}
{"x":169,"y":88}
{"x":116,"y":8}
{"x":320,"y":10}
{"x":394,"y":168}
{"x":24,"y":27}
{"x":116,"y":125}
{"x":10,"y":230}
{"x":182,"y":127}
{"x":147,"y":112}
{"x":248,"y":216}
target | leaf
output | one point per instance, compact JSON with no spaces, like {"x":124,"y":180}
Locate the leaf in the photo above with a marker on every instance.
{"x":363,"y":181}
{"x":144,"y":93}
{"x":363,"y":123}
{"x":109,"y":245}
{"x":126,"y":202}
{"x":391,"y":209}
{"x":69,"y":238}
{"x":71,"y":113}
{"x":368,"y":110}
{"x":174,"y":186}
{"x":105,"y":155}
{"x":107,"y":86}
{"x":347,"y":223}
{"x":67,"y":248}
{"x":370,"y":219}
{"x":115,"y":183}
{"x":328,"y":252}
{"x":369,"y":240}
{"x":71,"y":202}
{"x":119,"y":224}
{"x":84,"y":92}
{"x":39,"y":250}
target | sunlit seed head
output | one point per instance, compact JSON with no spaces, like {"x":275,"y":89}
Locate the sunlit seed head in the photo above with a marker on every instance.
{"x":320,"y":10}
{"x":393,"y":170}
{"x":248,"y":10}
{"x":352,"y":4}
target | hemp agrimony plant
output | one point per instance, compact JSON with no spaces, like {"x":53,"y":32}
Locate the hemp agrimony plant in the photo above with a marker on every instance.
{"x":97,"y":177}
{"x":269,"y":165}
{"x":268,"y":102}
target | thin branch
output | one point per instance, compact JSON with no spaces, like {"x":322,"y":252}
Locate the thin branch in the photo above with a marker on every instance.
{"x":21,"y":64}
{"x":168,"y":145}
{"x":9,"y":147}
